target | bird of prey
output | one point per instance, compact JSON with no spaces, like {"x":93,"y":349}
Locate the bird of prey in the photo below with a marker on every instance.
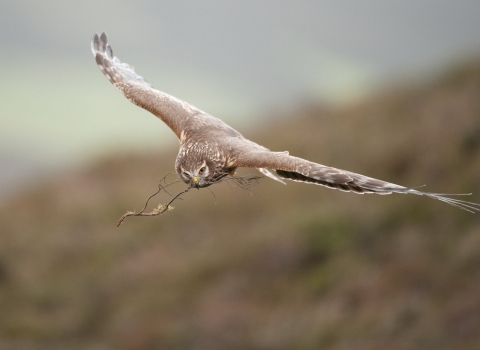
{"x":211,"y":150}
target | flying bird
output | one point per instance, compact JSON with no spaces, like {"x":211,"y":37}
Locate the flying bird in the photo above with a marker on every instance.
{"x":211,"y":150}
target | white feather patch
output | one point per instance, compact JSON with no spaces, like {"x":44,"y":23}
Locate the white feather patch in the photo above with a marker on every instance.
{"x":269,"y":174}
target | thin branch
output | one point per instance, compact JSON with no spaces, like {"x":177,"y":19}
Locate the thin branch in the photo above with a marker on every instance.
{"x":168,"y":184}
{"x":161,"y":208}
{"x":245,"y":182}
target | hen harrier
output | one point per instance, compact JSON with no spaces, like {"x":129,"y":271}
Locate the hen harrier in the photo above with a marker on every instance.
{"x":211,"y":150}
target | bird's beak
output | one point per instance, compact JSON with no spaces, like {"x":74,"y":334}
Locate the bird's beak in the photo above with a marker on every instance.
{"x":195,"y":182}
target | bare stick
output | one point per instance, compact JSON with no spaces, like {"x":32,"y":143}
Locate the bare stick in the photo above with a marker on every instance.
{"x":245,"y":182}
{"x":160,"y":209}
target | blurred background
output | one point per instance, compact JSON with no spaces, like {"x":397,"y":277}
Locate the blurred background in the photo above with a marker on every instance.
{"x":386,"y":89}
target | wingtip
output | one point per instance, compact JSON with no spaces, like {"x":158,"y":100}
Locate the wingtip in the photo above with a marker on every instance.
{"x":99,"y":43}
{"x":94,"y":44}
{"x":104,"y":38}
{"x":109,"y":52}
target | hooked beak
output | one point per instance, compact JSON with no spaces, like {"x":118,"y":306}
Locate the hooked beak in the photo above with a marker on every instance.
{"x":195,"y":182}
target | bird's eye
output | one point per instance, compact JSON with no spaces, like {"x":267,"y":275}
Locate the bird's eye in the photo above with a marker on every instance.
{"x":202,"y":170}
{"x":186,"y":175}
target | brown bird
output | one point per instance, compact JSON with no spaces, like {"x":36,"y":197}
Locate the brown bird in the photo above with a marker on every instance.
{"x":211,"y":150}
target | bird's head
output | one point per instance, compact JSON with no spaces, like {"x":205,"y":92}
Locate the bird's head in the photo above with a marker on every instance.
{"x":200,"y":164}
{"x":196,"y":174}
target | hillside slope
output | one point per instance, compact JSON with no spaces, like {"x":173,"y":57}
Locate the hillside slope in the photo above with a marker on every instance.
{"x":283,"y":267}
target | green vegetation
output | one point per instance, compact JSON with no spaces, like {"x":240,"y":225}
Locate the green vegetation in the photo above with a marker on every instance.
{"x":288,"y":267}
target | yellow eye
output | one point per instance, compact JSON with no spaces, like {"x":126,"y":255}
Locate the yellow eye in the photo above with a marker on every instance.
{"x":202,"y":170}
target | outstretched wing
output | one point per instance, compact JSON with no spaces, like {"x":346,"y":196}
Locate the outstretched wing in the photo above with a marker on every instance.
{"x":174,"y":112}
{"x":301,"y":170}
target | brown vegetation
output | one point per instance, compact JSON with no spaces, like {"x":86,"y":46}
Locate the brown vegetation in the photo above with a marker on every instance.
{"x":286,"y":267}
